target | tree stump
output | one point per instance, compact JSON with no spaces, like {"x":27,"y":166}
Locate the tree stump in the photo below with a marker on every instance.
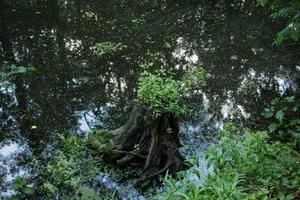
{"x":151,"y":143}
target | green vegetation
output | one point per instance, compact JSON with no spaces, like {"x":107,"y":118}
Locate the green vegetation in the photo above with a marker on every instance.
{"x":284,"y":120}
{"x":104,"y":139}
{"x":162,"y":93}
{"x":70,"y":169}
{"x":288,"y":11}
{"x":68,"y":173}
{"x":247,"y":164}
{"x":22,"y":186}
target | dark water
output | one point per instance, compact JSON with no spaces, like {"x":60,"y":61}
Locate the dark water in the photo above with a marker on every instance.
{"x":73,"y":90}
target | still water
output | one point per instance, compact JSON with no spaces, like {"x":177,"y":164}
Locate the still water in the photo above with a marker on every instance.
{"x":74,"y":90}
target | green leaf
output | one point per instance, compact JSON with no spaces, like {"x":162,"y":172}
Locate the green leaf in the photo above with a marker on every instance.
{"x":31,"y":69}
{"x":29,"y":190}
{"x":279,"y":115}
{"x":20,"y":70}
{"x":262,"y":2}
{"x":49,"y":187}
{"x":6,"y":84}
{"x":272,"y":127}
{"x":267,"y":113}
{"x":290,"y":99}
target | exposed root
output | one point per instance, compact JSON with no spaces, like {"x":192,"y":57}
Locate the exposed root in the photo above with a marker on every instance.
{"x":153,"y":144}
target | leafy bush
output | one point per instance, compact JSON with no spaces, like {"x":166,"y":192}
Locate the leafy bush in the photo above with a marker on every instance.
{"x":104,"y":141}
{"x":68,"y":171}
{"x":63,"y":173}
{"x":285,"y":120}
{"x":246,"y":166}
{"x":22,"y":187}
{"x":162,"y":93}
{"x":268,"y":170}
{"x":288,"y":10}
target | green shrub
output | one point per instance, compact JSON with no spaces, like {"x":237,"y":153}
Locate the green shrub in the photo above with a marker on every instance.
{"x":162,"y":93}
{"x":246,"y":166}
{"x":23,"y":188}
{"x":63,"y":173}
{"x":69,"y":169}
{"x":269,"y":170}
{"x":285,"y":120}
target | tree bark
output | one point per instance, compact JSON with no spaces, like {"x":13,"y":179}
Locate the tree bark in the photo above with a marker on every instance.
{"x":151,"y":143}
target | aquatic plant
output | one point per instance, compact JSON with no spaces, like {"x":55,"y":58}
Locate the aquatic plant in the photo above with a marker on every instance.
{"x":70,"y":169}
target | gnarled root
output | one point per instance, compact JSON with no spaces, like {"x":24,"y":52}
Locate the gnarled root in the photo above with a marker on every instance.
{"x":152,"y":144}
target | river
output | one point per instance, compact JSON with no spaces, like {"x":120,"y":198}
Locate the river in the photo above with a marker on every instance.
{"x":73,"y":90}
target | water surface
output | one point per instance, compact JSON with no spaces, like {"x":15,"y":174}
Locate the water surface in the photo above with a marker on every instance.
{"x":74,"y":90}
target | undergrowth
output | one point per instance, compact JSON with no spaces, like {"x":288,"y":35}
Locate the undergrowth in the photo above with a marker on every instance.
{"x":247,"y":164}
{"x":66,"y":175}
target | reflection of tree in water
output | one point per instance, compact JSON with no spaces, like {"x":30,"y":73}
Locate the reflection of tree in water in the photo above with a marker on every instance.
{"x":232,"y":46}
{"x":229,"y":38}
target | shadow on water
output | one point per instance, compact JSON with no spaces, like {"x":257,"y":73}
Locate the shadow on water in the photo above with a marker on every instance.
{"x":75,"y":90}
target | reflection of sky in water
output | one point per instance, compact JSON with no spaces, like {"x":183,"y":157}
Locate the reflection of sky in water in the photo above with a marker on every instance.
{"x":7,"y":90}
{"x":10,"y":154}
{"x":229,"y":108}
{"x":90,"y":119}
{"x":73,"y":44}
{"x":124,"y":191}
{"x":7,"y":150}
{"x":256,"y":81}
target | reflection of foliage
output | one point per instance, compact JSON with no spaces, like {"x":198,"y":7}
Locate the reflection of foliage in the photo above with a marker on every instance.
{"x":162,"y":93}
{"x":103,"y":48}
{"x":11,"y":71}
{"x":289,"y":10}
